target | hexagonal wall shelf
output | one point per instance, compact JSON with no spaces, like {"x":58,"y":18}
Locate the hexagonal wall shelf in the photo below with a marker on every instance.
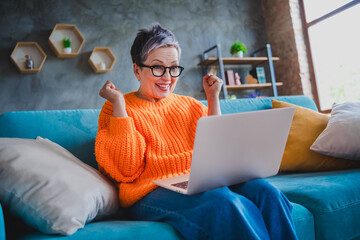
{"x":102,"y":59}
{"x":34,"y":51}
{"x":57,"y":36}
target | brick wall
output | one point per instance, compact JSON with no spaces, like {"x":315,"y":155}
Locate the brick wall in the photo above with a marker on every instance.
{"x":285,"y":34}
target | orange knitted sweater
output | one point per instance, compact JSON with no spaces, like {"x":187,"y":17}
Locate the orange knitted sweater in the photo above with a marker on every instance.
{"x":155,"y":141}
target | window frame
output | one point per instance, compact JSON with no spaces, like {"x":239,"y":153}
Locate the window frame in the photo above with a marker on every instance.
{"x":306,"y":26}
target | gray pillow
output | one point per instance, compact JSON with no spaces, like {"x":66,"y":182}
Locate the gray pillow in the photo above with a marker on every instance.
{"x":50,"y":189}
{"x":341,"y":137}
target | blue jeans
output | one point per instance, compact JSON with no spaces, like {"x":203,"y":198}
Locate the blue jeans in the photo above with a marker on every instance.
{"x":251,"y":210}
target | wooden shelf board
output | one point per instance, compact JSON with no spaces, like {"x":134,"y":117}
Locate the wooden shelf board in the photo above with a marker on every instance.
{"x":62,"y":31}
{"x":28,"y":48}
{"x":102,"y":55}
{"x":252,"y":86}
{"x":237,"y":61}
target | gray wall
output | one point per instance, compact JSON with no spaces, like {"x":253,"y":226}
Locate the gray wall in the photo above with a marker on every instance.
{"x":71,"y":83}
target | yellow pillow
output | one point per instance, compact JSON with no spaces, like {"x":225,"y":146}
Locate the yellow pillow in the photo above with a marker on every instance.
{"x":305,"y":128}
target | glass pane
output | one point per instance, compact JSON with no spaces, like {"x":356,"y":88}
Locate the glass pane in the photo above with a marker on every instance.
{"x":317,"y":8}
{"x":335,"y":45}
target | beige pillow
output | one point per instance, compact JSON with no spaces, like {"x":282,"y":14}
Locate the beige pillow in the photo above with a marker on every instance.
{"x":341,"y":137}
{"x":49,"y":188}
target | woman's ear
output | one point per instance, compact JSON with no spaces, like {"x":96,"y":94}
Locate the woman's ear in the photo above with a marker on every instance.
{"x":136,"y":69}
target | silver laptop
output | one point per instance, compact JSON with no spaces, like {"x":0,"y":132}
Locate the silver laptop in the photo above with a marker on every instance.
{"x":234,"y":148}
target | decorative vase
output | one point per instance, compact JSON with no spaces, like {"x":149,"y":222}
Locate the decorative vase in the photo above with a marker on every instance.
{"x":67,"y":50}
{"x":102,"y":66}
{"x":29,"y":64}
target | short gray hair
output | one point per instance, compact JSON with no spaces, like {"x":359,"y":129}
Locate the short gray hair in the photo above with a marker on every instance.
{"x":148,"y":40}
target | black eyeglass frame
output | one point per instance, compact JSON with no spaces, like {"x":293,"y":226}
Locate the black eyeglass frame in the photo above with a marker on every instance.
{"x":152,"y":71}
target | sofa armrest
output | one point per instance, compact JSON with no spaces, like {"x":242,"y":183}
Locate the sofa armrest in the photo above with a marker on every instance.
{"x":2,"y":225}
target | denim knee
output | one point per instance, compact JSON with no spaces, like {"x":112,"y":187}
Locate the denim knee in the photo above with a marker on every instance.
{"x":216,"y":214}
{"x":257,"y":190}
{"x":236,"y":216}
{"x":273,"y":205}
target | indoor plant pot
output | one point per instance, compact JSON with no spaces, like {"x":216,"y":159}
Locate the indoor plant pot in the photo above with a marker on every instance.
{"x":67,"y":45}
{"x":238,"y":49}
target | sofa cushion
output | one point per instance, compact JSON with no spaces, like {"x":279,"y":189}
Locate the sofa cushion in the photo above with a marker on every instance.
{"x":341,"y":137}
{"x":303,"y":219}
{"x":304,"y":222}
{"x":111,"y":230}
{"x":115,"y":229}
{"x":332,"y":197}
{"x":305,"y":128}
{"x":49,"y":188}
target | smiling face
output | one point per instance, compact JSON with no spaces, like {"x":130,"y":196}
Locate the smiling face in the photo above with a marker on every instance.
{"x":156,"y":88}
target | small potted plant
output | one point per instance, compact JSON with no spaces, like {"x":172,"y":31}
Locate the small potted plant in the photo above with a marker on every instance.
{"x":238,"y":49}
{"x":67,"y":45}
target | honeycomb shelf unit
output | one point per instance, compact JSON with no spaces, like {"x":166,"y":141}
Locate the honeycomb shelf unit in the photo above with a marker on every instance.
{"x":57,"y":36}
{"x":102,"y":59}
{"x":32,"y":49}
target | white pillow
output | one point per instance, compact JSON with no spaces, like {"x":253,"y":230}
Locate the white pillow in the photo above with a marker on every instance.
{"x":49,"y":188}
{"x":341,"y":137}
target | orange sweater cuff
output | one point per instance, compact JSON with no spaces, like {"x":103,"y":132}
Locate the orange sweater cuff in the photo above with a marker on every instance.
{"x":120,"y":125}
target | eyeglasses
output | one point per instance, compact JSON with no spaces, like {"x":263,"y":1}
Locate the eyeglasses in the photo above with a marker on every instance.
{"x":159,"y":70}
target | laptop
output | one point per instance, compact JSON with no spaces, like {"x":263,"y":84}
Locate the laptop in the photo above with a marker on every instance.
{"x":234,"y":148}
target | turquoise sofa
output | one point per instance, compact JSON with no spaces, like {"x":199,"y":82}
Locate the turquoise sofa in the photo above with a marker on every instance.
{"x":326,"y":204}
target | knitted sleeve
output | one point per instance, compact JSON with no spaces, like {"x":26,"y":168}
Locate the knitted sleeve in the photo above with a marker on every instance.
{"x":119,"y":147}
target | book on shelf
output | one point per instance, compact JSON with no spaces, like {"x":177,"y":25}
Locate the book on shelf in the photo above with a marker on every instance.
{"x":229,"y":77}
{"x":259,"y":74}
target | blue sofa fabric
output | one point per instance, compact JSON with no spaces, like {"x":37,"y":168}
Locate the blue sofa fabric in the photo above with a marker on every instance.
{"x":332,"y":197}
{"x":304,"y":222}
{"x":326,"y":205}
{"x":112,"y":230}
{"x":75,"y":130}
{"x":255,"y":104}
{"x":2,"y":224}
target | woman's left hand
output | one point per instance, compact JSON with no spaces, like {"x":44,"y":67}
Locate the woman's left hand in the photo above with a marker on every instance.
{"x":212,"y":85}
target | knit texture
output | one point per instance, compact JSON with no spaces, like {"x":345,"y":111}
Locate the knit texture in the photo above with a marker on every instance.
{"x":155,"y":141}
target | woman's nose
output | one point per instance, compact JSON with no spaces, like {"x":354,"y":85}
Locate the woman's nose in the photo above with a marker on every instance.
{"x":166,"y":75}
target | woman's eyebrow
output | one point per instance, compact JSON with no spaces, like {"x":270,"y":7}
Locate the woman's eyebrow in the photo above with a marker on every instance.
{"x":157,"y":60}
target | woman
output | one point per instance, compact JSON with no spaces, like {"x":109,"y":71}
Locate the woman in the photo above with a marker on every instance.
{"x":149,"y":134}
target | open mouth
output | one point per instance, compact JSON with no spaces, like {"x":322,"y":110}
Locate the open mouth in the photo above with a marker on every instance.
{"x":163,"y":87}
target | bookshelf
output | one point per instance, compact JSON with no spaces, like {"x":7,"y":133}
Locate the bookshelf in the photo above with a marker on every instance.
{"x":252,"y":86}
{"x":237,"y":61}
{"x":254,"y":61}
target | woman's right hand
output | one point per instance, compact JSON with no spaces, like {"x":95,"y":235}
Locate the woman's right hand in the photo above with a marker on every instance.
{"x":116,"y":97}
{"x":111,"y":93}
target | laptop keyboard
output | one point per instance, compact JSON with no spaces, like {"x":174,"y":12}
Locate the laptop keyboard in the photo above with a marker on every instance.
{"x":182,"y":185}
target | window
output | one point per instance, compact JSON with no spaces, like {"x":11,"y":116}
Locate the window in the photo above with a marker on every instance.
{"x":334,"y":43}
